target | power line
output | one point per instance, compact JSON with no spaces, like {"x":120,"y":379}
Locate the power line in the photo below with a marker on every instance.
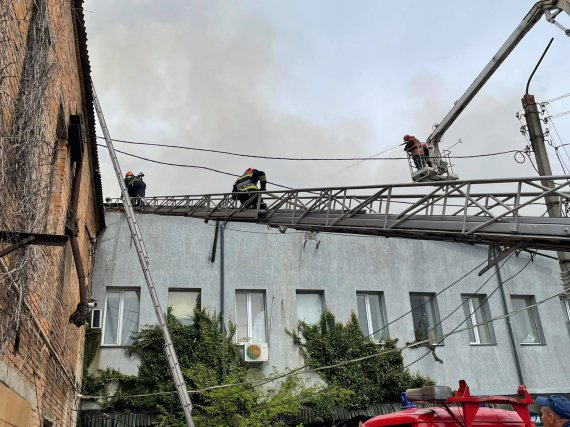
{"x":311,"y":159}
{"x":480,"y":305}
{"x":299,"y":371}
{"x":557,"y":98}
{"x":430,"y":299}
{"x":187,"y":166}
{"x":560,"y":114}
{"x":549,"y":117}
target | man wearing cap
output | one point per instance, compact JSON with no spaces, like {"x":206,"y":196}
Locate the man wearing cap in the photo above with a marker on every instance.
{"x":555,"y":411}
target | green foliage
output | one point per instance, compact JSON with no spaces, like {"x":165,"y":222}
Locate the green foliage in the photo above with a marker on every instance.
{"x":209,"y":359}
{"x":377,"y":379}
{"x":422,"y":339}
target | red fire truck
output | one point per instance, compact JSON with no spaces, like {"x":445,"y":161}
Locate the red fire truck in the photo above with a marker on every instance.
{"x":457,"y":409}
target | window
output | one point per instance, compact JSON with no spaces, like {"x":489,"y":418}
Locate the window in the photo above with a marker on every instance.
{"x":477,"y":313}
{"x":527,"y":323}
{"x":426,"y":317}
{"x":309,"y":306}
{"x":183,"y":302}
{"x":250,"y":317}
{"x":121,"y":317}
{"x":566,"y":308}
{"x":372,"y":315}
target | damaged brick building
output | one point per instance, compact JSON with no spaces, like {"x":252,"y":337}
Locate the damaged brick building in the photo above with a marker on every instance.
{"x":50,"y":208}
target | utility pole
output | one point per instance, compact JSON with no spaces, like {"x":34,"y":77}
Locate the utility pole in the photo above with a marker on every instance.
{"x":143,"y":258}
{"x":536,"y":136}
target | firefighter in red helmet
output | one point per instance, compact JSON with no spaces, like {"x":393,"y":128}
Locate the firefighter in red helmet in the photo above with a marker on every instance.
{"x":246,"y":184}
{"x":414,"y":148}
{"x":136,"y":188}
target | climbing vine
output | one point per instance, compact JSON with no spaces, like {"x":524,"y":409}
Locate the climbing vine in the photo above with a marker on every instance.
{"x":373,"y":380}
{"x":26,"y":157}
{"x":209,"y":358}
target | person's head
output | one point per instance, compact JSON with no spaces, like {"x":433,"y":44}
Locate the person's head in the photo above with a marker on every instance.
{"x":129,"y":174}
{"x":249,"y":170}
{"x":555,"y":410}
{"x":408,"y":138}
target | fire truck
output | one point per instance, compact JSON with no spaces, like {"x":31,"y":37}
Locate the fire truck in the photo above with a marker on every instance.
{"x":457,"y":408}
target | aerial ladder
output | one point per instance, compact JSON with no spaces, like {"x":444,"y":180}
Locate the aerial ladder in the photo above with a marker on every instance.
{"x":440,"y":169}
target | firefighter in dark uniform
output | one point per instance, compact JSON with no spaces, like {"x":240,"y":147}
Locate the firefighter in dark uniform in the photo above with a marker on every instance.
{"x":136,"y":188}
{"x":246,"y":184}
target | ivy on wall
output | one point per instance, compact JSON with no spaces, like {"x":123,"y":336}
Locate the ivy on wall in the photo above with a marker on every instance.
{"x":209,"y":358}
{"x":374,"y":380}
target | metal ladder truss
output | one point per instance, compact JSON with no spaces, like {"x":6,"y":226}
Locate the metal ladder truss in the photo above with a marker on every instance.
{"x":500,"y":212}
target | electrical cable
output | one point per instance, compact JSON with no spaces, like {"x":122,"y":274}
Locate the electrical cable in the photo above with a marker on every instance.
{"x":484,"y":301}
{"x":430,"y":299}
{"x":188,"y":166}
{"x":560,"y":114}
{"x":549,"y":117}
{"x":298,"y":371}
{"x":557,"y":98}
{"x":312,"y":159}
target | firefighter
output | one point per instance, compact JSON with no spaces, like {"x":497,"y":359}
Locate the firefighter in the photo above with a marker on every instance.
{"x":555,"y":410}
{"x":136,"y":188}
{"x":413,"y":147}
{"x":246,"y":184}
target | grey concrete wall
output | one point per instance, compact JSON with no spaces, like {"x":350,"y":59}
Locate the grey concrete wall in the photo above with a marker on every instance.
{"x":259,"y":259}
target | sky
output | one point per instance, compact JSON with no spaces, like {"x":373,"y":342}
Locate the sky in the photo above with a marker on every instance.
{"x":317,"y":78}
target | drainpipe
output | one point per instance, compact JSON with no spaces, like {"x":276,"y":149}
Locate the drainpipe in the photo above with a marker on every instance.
{"x":222,"y":279}
{"x":509,"y":326}
{"x":79,"y":316}
{"x":222,"y":289}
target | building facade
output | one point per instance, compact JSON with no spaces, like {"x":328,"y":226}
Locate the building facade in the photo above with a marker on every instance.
{"x":50,"y":208}
{"x":264,"y":281}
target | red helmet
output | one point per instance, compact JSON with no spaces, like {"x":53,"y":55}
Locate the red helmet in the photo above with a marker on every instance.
{"x":129,"y":173}
{"x":407,"y":137}
{"x":249,"y":170}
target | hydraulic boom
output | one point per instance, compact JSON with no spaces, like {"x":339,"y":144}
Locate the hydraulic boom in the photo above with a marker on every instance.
{"x":550,"y":9}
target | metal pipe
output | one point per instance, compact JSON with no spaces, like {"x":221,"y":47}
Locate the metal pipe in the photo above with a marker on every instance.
{"x":215,"y":243}
{"x":538,"y":63}
{"x":83,"y":298}
{"x":509,"y":325}
{"x":222,"y":279}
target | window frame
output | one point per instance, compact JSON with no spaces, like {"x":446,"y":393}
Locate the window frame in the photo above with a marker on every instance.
{"x":320,"y":293}
{"x":432,"y":299}
{"x":249,"y":317}
{"x":385,"y":333}
{"x":118,"y":338}
{"x":530,"y":300}
{"x":472,"y":319}
{"x":183,"y":290}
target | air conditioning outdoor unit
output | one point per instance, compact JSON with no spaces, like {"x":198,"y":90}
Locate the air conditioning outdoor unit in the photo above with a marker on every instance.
{"x":96,"y":318}
{"x":256,"y":352}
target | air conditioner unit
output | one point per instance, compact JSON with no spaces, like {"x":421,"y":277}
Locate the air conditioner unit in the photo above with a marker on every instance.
{"x":96,"y":318}
{"x":256,"y":352}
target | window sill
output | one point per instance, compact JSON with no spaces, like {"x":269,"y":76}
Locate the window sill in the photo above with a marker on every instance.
{"x":114,"y":346}
{"x":473,"y":344}
{"x":530,"y":344}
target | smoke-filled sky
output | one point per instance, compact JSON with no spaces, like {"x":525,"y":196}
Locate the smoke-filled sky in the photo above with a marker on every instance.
{"x":319,"y":78}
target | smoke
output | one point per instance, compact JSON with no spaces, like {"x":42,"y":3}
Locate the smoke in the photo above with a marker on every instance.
{"x":218,"y":75}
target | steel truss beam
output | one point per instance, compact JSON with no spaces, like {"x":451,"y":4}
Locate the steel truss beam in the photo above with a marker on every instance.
{"x":505,"y":212}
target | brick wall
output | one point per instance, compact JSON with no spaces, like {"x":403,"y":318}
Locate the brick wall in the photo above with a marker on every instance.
{"x":42,"y":357}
